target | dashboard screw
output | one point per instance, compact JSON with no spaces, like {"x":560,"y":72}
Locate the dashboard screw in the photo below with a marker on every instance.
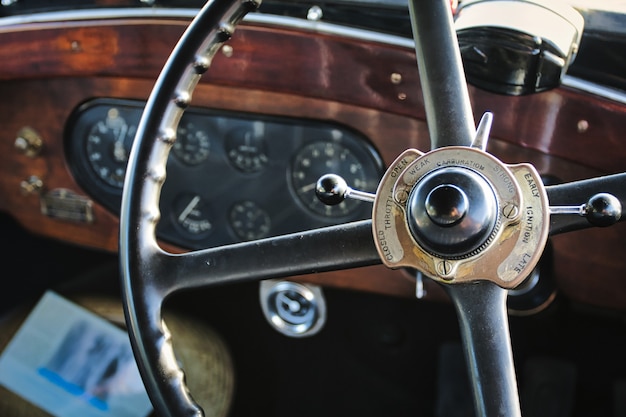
{"x":227,"y":50}
{"x":315,"y":14}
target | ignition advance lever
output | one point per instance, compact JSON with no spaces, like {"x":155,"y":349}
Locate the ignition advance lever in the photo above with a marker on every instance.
{"x":602,"y":209}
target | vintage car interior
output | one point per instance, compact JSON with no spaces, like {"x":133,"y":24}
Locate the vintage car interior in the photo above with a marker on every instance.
{"x":303,"y":208}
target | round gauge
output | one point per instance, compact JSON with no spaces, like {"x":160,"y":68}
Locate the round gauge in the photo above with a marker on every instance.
{"x":249,"y":221}
{"x":108,"y":145}
{"x":320,"y":158}
{"x":191,"y":214}
{"x":193,"y":144}
{"x":247,"y":149}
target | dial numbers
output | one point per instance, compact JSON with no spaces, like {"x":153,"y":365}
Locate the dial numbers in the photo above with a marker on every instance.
{"x":249,"y":221}
{"x":193,"y":144}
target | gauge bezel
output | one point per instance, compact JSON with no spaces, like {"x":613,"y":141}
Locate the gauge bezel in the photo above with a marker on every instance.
{"x":78,"y":125}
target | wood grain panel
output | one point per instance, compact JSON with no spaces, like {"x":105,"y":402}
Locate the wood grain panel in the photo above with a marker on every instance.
{"x":328,"y":67}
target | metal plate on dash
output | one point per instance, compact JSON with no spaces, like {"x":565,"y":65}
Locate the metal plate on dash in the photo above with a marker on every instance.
{"x":65,"y":204}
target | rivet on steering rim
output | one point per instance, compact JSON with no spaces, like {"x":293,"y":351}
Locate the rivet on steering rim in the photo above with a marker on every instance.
{"x":252,"y":4}
{"x":226,"y":31}
{"x":183,"y":99}
{"x":157,"y":175}
{"x":168,"y":136}
{"x":151,"y":216}
{"x":201,"y":64}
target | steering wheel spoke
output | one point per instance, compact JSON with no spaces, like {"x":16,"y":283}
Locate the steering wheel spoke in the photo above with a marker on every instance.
{"x":331,"y":248}
{"x":483,"y":320}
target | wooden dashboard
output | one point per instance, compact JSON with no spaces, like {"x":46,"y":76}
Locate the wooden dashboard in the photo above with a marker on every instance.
{"x":49,"y":68}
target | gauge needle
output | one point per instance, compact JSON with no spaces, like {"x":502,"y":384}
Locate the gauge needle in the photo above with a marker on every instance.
{"x":192,"y":205}
{"x":292,"y":305}
{"x":119,"y":151}
{"x":308,"y":187}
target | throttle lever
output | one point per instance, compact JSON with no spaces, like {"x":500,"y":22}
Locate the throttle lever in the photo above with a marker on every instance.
{"x":332,"y":189}
{"x":602,"y":209}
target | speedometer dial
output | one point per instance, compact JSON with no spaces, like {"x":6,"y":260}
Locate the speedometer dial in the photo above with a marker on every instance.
{"x":317,"y":159}
{"x":108,"y":145}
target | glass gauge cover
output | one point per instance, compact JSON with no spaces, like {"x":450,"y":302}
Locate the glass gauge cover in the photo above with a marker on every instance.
{"x":320,"y":158}
{"x":108,"y":144}
{"x":249,"y":221}
{"x":193,"y":143}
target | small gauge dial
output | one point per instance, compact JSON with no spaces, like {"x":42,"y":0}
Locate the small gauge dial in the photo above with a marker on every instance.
{"x":249,"y":221}
{"x":191,"y":214}
{"x":108,"y":145}
{"x":317,"y":159}
{"x":193,"y":143}
{"x":246,"y":148}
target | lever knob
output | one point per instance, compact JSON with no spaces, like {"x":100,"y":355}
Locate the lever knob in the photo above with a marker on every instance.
{"x":332,"y":189}
{"x":603,"y":210}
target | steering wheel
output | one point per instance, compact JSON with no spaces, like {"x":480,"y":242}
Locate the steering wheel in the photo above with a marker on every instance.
{"x":456,"y":213}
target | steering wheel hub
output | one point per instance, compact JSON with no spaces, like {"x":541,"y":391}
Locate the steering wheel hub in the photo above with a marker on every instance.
{"x":442,"y":211}
{"x":452,"y":212}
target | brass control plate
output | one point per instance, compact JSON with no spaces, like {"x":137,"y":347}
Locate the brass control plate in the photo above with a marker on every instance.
{"x":519,"y":238}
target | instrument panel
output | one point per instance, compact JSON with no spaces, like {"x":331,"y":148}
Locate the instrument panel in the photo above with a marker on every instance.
{"x":231,"y":176}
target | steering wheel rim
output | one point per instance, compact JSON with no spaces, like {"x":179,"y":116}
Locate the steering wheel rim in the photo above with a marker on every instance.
{"x":150,"y":275}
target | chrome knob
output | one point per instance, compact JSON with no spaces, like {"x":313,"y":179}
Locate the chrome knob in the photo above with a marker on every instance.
{"x":603,"y":210}
{"x":446,"y":205}
{"x":452,"y":212}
